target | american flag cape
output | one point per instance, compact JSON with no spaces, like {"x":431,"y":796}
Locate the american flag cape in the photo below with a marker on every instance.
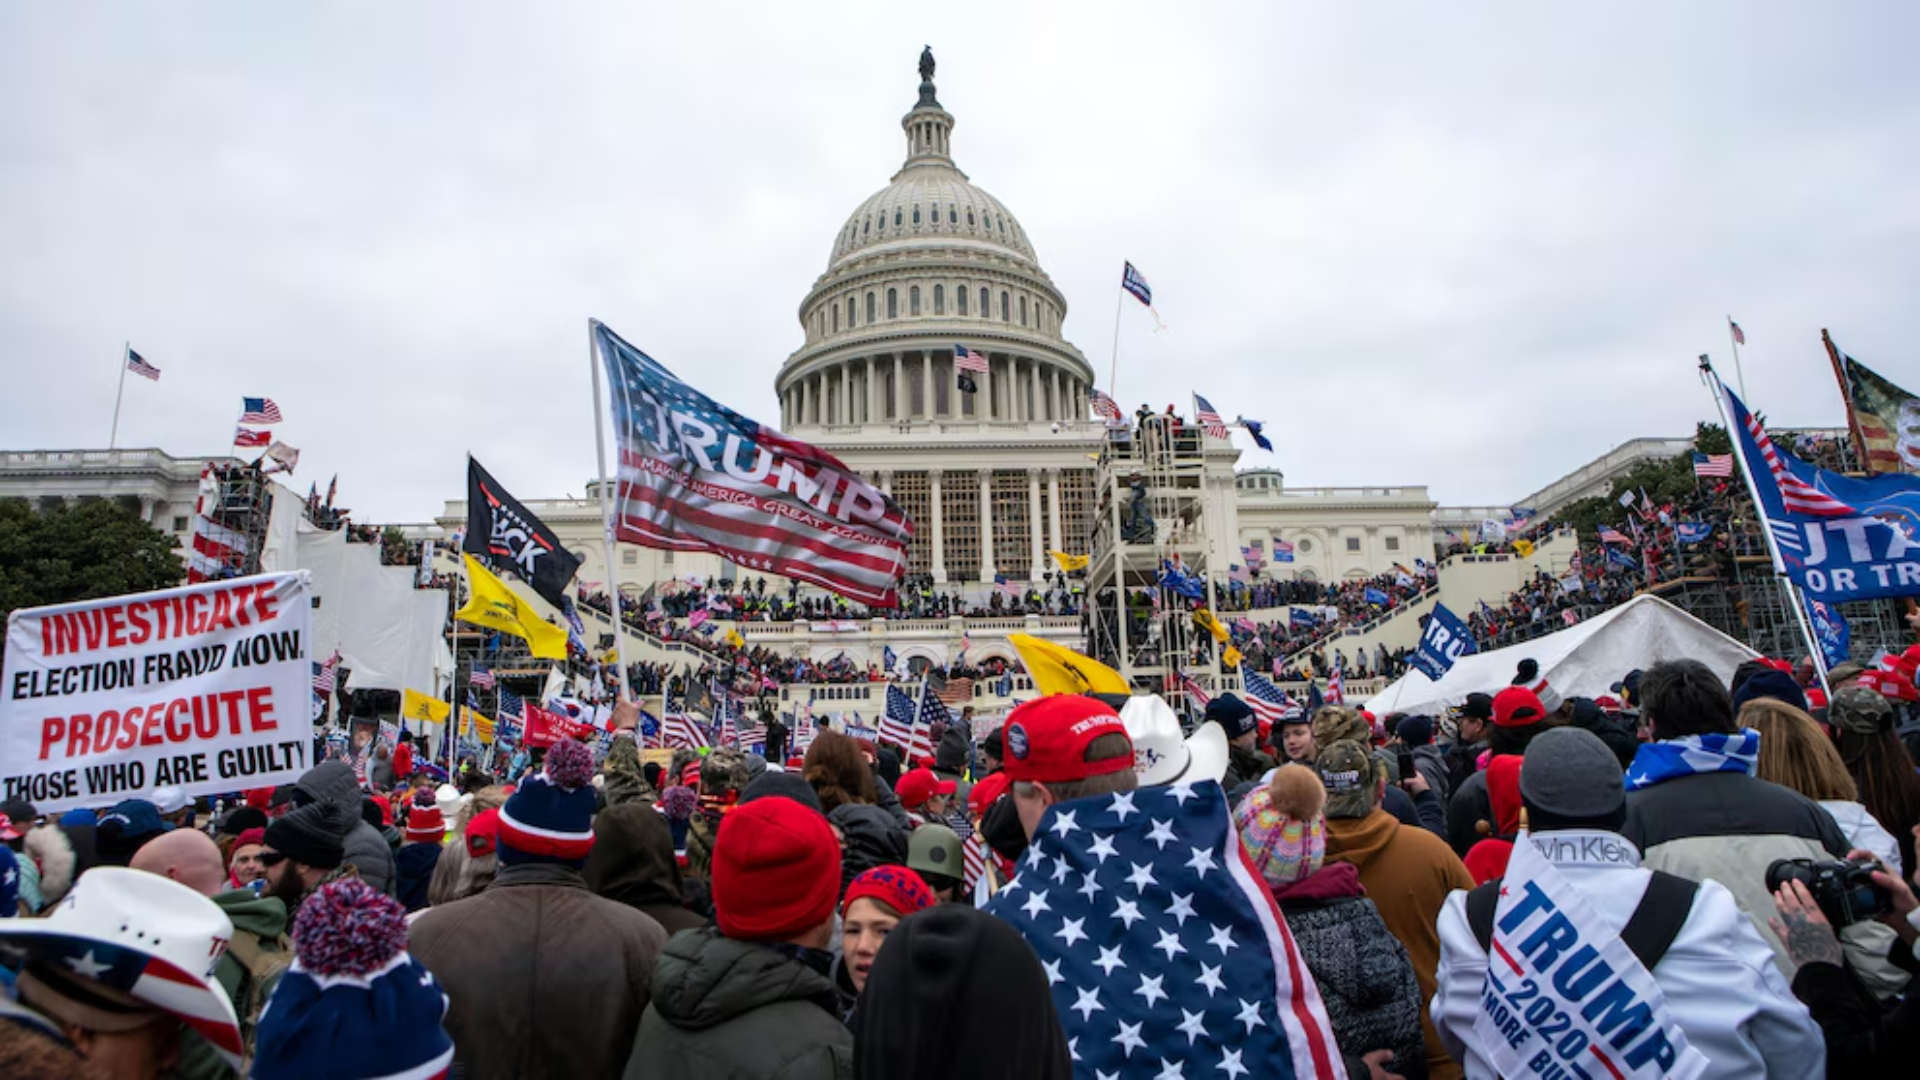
{"x":696,"y":476}
{"x":1166,"y":952}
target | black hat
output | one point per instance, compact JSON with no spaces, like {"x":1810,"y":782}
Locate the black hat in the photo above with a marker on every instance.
{"x":1478,"y":706}
{"x":1232,"y":714}
{"x":313,"y":835}
{"x":994,"y":745}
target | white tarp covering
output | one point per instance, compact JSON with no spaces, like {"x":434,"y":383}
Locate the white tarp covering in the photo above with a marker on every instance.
{"x":390,"y":634}
{"x":281,"y":551}
{"x":1580,"y":661}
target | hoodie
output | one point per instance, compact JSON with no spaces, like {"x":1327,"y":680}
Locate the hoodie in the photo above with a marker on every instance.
{"x":413,"y":866}
{"x":872,"y":838}
{"x":367,"y":851}
{"x":1408,"y":873}
{"x":264,"y":919}
{"x":633,"y":864}
{"x":727,"y":1008}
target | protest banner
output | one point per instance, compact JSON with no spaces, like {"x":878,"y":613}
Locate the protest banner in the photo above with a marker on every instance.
{"x":203,"y":687}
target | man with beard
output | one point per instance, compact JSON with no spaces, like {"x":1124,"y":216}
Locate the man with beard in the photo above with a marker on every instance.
{"x":304,"y":850}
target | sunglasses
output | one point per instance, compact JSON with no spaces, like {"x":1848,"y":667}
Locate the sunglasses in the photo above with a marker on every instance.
{"x":271,"y":858}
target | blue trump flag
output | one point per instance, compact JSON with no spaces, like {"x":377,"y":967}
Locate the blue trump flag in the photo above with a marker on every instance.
{"x":1831,"y":630}
{"x":1259,"y":437}
{"x":1692,"y":532}
{"x":1165,"y":952}
{"x":1836,"y":537}
{"x":1622,"y":560}
{"x":1445,"y":640}
{"x":1374,"y":596}
{"x":1301,"y":618}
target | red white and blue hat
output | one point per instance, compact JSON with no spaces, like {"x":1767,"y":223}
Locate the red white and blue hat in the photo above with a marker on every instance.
{"x":549,"y":818}
{"x":143,"y":936}
{"x":355,"y":1005}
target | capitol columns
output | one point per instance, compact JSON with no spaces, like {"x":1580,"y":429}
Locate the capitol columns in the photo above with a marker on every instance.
{"x":926,"y":383}
{"x":938,"y":541}
{"x":1053,"y":510}
{"x":1037,"y":564}
{"x":874,"y":381}
{"x":986,"y":525}
{"x":884,"y":480}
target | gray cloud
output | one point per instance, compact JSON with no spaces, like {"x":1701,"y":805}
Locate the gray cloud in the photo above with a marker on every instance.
{"x":1465,"y":245}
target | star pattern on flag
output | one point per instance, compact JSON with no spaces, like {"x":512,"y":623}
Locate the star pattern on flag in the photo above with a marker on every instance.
{"x":1138,"y":955}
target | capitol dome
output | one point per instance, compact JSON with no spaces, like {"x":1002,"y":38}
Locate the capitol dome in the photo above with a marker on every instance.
{"x":926,"y":267}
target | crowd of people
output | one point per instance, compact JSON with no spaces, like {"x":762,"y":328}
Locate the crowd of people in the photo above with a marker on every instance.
{"x":1021,"y":904}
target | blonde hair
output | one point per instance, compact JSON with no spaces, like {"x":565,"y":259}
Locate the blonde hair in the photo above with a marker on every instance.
{"x":1795,"y":753}
{"x":458,"y":875}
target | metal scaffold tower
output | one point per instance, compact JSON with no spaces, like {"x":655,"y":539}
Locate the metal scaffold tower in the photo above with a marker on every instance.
{"x":1150,"y":487}
{"x":241,"y":502}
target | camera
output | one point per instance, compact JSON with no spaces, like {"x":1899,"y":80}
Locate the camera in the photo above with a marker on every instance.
{"x":1844,"y":889}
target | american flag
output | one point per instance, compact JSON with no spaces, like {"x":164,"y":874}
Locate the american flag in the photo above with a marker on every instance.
{"x":749,"y":493}
{"x":933,"y":710}
{"x":898,"y":723}
{"x":216,"y":551}
{"x":1193,"y":690}
{"x":139,"y":366}
{"x":1611,"y":535}
{"x":1712,"y":465}
{"x":1165,"y":951}
{"x":511,"y":707}
{"x":973,"y":857}
{"x":259,"y":410}
{"x":803,"y":728}
{"x":729,"y":709}
{"x":1107,"y":409}
{"x":1210,"y":420}
{"x":753,"y":733}
{"x":1011,"y":588}
{"x":680,"y":729}
{"x":1269,"y":702}
{"x":323,"y":681}
{"x":967,"y":360}
{"x":1336,"y":685}
{"x":1798,"y":496}
{"x":482,"y":678}
{"x":249,"y":437}
{"x":1739,"y":335}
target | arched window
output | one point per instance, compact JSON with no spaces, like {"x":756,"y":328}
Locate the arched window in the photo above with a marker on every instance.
{"x":896,"y":217}
{"x":935,"y":220}
{"x":969,"y":217}
{"x":986,"y":303}
{"x":1005,"y":307}
{"x":916,"y":215}
{"x":866,"y":228}
{"x":893,"y":303}
{"x":939,"y":299}
{"x":850,"y":312}
{"x":960,"y":298}
{"x":953,"y":216}
{"x":1023,"y":311}
{"x":913,"y":300}
{"x":870,"y":315}
{"x":836,"y":318}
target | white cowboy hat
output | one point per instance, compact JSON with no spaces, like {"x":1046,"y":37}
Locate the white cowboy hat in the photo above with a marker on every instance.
{"x":1161,"y":755}
{"x":145,"y":936}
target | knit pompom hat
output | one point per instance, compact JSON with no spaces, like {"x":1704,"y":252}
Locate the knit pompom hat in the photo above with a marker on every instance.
{"x":354,"y":1004}
{"x":424,"y":823}
{"x":549,"y":818}
{"x":899,"y":888}
{"x":1282,"y":826}
{"x":776,"y":871}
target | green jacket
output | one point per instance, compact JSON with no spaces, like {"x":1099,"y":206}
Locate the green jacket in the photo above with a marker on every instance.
{"x":626,"y":780}
{"x":734,"y":1010}
{"x":262,"y":919}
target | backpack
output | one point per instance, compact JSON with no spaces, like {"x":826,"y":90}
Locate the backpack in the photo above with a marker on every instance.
{"x":260,"y":971}
{"x":1649,"y":931}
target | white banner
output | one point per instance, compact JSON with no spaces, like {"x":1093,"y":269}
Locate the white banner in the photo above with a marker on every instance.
{"x":1564,"y":995}
{"x":205,"y":688}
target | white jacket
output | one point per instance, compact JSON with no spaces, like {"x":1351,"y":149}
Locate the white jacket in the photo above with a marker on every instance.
{"x":1719,"y":978}
{"x":1864,"y":831}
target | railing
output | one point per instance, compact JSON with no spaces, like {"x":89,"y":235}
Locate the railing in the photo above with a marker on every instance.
{"x":1363,"y":628}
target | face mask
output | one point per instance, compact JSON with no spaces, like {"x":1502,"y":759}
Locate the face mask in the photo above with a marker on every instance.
{"x":1000,"y":827}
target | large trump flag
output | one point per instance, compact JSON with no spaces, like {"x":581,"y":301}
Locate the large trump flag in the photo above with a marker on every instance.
{"x":696,"y":476}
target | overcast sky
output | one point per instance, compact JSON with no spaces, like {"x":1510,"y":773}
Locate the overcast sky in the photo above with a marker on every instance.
{"x":1466,"y":245}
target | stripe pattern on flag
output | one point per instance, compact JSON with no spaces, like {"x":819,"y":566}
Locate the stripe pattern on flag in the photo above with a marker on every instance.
{"x":1796,"y":495}
{"x":1712,"y":465}
{"x":259,"y":410}
{"x":967,"y":360}
{"x":1209,"y":419}
{"x":139,"y":366}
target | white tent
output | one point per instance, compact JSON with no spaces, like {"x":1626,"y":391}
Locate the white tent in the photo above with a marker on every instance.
{"x":1581,"y":661}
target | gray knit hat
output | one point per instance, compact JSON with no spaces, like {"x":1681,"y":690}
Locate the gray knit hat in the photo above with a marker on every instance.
{"x":1570,"y":773}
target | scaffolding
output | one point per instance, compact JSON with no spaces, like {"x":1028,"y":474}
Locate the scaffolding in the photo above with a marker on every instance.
{"x":238,"y":499}
{"x":1150,"y":513}
{"x":1748,"y":605}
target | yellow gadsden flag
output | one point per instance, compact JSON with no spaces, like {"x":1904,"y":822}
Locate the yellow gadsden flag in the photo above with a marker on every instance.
{"x":1057,"y":669}
{"x":476,"y":723}
{"x":1523,"y":548}
{"x":493,"y":604}
{"x":423,"y":708}
{"x":734,"y":639}
{"x":1070,"y":563}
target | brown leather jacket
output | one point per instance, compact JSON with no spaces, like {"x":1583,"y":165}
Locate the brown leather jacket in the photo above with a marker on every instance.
{"x":545,"y":978}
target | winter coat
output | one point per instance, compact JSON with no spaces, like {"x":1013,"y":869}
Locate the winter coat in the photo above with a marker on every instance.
{"x":1245,"y":766}
{"x":1462,"y":762}
{"x":1469,"y":806}
{"x":1729,"y":827}
{"x":1863,"y":830}
{"x":1364,"y":976}
{"x":632,"y":863}
{"x":873,"y":838}
{"x":380,"y":772}
{"x":954,"y":753}
{"x":1408,"y":873}
{"x":886,"y":800}
{"x":413,"y":867}
{"x":735,"y":1010}
{"x":1618,"y":736}
{"x":1717,"y":977}
{"x":48,"y":852}
{"x":545,"y":978}
{"x":702,"y":828}
{"x":367,"y":851}
{"x":1432,"y":766}
{"x":626,"y":781}
{"x":263,"y":920}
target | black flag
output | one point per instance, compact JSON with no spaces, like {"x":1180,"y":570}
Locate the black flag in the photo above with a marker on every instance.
{"x":966,"y":384}
{"x":505,"y":536}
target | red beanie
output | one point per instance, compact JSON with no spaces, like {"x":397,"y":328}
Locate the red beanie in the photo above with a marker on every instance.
{"x":776,"y":871}
{"x":895,"y":886}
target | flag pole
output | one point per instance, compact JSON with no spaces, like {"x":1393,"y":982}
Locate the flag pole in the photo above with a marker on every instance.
{"x":1846,"y":398}
{"x":1787,"y":588}
{"x":606,"y":517}
{"x":1113,"y":366}
{"x":1739,"y":375}
{"x":126,"y":357}
{"x":453,"y":680}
